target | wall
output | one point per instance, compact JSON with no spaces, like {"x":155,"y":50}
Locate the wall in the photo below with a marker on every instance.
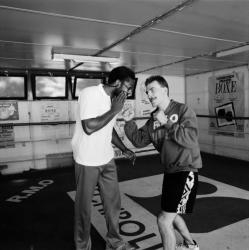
{"x":36,"y":146}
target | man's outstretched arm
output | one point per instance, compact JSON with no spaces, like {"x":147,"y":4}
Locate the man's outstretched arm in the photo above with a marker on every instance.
{"x":119,"y":144}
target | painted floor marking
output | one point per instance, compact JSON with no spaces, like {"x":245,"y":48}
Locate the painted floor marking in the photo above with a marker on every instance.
{"x":232,"y":237}
{"x":139,"y":225}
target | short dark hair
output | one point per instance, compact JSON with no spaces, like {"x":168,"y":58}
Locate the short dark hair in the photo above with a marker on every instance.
{"x":157,"y":78}
{"x":121,"y":73}
{"x":161,"y":80}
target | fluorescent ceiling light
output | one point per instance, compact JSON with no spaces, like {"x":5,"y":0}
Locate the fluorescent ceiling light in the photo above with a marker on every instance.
{"x":82,"y":58}
{"x":233,"y":51}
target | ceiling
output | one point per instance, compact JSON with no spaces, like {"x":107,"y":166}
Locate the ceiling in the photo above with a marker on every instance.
{"x":151,"y":36}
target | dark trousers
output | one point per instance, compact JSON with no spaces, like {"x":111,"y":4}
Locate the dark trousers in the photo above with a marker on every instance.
{"x":86,"y":180}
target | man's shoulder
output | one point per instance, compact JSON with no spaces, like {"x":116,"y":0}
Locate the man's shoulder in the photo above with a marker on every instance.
{"x":176,"y":103}
{"x":180,"y":105}
{"x":89,"y":90}
{"x":182,"y":108}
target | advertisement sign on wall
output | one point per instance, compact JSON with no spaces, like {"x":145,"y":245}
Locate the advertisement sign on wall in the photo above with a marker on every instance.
{"x":52,"y":111}
{"x":226,"y":102}
{"x":7,"y":136}
{"x":9,"y":110}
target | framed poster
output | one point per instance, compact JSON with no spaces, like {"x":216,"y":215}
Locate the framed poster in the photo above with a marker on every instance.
{"x":225,"y":115}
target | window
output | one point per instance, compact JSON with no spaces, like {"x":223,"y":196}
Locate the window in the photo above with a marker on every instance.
{"x":13,"y":87}
{"x":82,"y":82}
{"x":49,"y":87}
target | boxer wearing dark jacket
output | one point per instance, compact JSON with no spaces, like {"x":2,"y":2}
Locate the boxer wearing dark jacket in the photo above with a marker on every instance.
{"x":176,"y":141}
{"x":172,"y":129}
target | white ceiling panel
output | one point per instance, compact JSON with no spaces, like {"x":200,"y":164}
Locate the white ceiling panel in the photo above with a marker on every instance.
{"x":165,"y":43}
{"x":178,"y":44}
{"x":133,"y":12}
{"x":58,"y":31}
{"x":216,"y":19}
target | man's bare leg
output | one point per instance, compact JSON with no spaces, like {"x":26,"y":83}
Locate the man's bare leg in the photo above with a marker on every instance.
{"x":181,"y":227}
{"x":165,"y":224}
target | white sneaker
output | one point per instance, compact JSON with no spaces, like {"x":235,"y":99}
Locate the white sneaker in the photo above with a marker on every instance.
{"x":186,"y":246}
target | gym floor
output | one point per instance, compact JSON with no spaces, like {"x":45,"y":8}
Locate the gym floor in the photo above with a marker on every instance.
{"x":36,"y":208}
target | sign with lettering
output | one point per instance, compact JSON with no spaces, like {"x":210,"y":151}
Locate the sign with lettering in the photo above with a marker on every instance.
{"x":50,"y":112}
{"x":7,"y":136}
{"x":226,"y":102}
{"x":25,"y":194}
{"x":137,"y":224}
{"x":54,"y":111}
{"x":141,"y":204}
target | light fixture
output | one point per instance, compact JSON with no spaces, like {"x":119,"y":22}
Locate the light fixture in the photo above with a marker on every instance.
{"x":233,"y":51}
{"x":84,"y":58}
